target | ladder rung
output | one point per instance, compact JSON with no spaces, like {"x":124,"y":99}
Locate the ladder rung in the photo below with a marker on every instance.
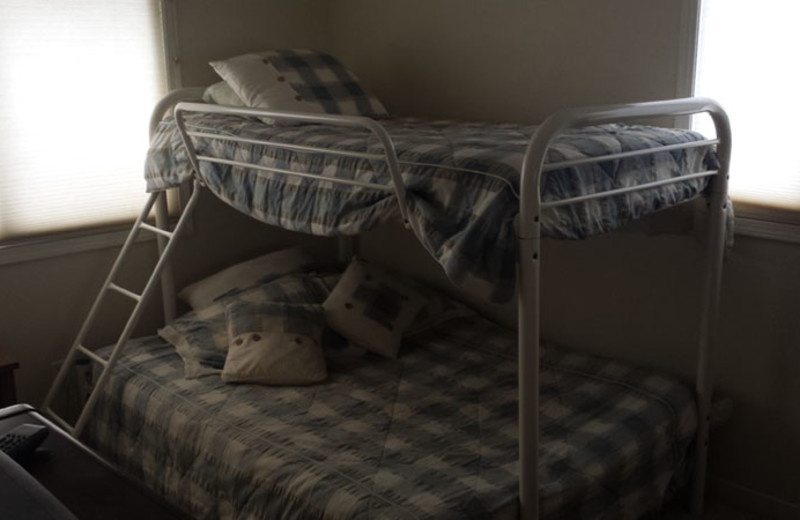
{"x":92,"y":355}
{"x":61,"y":422}
{"x":157,"y":230}
{"x":124,"y":291}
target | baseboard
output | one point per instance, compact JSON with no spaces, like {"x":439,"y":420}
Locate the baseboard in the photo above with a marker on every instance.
{"x":756,"y":502}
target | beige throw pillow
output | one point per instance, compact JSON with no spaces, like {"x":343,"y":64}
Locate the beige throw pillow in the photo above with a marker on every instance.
{"x":274,"y":344}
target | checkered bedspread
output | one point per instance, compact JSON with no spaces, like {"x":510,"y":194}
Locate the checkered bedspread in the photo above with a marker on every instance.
{"x":462,"y":182}
{"x":432,"y":434}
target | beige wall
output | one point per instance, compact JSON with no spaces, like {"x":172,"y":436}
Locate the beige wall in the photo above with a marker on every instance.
{"x":218,"y":29}
{"x":511,"y":60}
{"x":519,"y":60}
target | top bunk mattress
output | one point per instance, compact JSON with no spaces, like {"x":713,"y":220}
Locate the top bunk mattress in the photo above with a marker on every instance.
{"x":461,"y":179}
{"x":432,"y":434}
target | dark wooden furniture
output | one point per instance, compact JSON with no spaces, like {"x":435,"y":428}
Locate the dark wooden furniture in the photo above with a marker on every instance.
{"x":86,"y":484}
{"x":8,"y":389}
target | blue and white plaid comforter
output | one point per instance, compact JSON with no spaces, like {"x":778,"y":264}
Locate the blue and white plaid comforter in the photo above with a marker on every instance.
{"x":462,"y":182}
{"x":432,"y":434}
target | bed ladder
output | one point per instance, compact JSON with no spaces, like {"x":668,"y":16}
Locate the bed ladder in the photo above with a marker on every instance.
{"x":166,"y":241}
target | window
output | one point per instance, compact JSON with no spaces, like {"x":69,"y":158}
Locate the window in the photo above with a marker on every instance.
{"x":747,"y":59}
{"x":78,"y":79}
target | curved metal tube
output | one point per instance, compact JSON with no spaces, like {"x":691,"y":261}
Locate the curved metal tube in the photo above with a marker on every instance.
{"x":390,"y":154}
{"x":529,"y":255}
{"x":170,"y":100}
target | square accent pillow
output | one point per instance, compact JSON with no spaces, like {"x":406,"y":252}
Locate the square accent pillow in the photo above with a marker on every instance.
{"x":244,"y":275}
{"x":298,"y":80}
{"x":221,"y":93}
{"x":259,"y":84}
{"x":201,"y":338}
{"x":372,"y":307}
{"x":274,"y":344}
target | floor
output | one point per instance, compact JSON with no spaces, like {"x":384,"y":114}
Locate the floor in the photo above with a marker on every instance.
{"x":715,"y":510}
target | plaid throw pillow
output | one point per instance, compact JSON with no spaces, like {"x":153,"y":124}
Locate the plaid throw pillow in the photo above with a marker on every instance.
{"x":299,"y":80}
{"x":319,"y":77}
{"x":373,"y":308}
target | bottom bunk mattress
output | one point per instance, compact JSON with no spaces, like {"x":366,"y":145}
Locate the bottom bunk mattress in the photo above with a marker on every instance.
{"x":432,"y":434}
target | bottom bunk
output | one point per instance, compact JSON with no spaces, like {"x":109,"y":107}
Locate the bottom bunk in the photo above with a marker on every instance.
{"x":429,"y":433}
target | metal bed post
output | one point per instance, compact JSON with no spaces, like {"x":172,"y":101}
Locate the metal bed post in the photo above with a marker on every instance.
{"x":529,"y":257}
{"x":712,"y":281}
{"x":528,"y":374}
{"x":528,"y":314}
{"x":161,"y":207}
{"x":167,"y":278}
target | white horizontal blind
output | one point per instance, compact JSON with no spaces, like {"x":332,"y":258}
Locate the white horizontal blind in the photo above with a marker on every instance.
{"x":748,"y":59}
{"x":78,"y":79}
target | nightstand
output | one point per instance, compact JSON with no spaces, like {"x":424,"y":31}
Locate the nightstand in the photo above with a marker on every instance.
{"x":8,"y":389}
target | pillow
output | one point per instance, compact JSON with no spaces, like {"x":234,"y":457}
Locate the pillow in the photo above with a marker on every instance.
{"x":200,"y":337}
{"x":221,"y":93}
{"x":298,"y":80}
{"x":372,"y":307}
{"x":274,"y":344}
{"x":238,"y":277}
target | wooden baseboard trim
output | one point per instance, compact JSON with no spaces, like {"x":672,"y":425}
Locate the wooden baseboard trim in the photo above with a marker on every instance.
{"x":756,"y":502}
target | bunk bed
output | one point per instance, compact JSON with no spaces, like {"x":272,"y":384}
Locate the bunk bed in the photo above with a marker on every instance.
{"x":386,"y":437}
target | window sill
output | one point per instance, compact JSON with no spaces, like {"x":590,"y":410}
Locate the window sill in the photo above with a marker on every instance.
{"x":55,"y":246}
{"x":112,"y":235}
{"x":767,"y":230}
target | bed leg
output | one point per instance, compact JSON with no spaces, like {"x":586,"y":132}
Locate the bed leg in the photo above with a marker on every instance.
{"x":528,"y":375}
{"x":713,"y":278}
{"x":712,"y":282}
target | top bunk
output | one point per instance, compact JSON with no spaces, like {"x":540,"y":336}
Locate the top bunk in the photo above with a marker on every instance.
{"x":332,"y":162}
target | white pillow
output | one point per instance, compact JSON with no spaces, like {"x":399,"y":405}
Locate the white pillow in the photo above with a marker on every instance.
{"x":245,"y":275}
{"x":260,"y":85}
{"x":220,"y":93}
{"x":372,"y":307}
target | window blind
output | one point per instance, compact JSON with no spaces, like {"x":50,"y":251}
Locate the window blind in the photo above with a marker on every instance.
{"x":747,"y":60}
{"x":78,"y":79}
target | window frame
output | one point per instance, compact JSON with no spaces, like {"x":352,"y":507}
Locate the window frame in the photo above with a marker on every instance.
{"x":755,"y":219}
{"x":111,"y":234}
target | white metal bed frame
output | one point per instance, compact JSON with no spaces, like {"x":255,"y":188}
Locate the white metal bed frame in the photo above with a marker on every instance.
{"x":529,"y":256}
